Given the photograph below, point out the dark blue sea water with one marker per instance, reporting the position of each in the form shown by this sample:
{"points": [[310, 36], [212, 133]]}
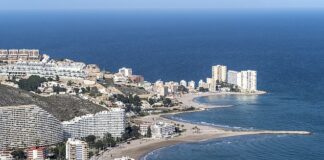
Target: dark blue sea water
{"points": [[285, 47]]}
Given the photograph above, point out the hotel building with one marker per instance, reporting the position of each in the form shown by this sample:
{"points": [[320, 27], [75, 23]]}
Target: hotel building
{"points": [[98, 124], [76, 150], [232, 77], [27, 126], [127, 72]]}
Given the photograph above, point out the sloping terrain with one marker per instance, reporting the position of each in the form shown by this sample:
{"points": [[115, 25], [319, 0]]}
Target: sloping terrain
{"points": [[63, 107]]}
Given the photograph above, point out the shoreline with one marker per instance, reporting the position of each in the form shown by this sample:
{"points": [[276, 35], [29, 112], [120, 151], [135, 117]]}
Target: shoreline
{"points": [[140, 148]]}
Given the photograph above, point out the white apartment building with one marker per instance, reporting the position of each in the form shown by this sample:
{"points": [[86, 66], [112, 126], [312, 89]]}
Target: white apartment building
{"points": [[232, 77], [219, 73], [248, 81], [98, 124], [63, 69], [76, 150], [162, 130], [28, 125], [191, 85], [183, 83], [127, 72]]}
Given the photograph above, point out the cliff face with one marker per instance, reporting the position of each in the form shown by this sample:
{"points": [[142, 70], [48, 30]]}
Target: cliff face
{"points": [[63, 107]]}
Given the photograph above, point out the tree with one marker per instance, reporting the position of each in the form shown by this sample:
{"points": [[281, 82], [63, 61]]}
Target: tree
{"points": [[76, 90], [32, 83], [18, 154], [149, 132], [57, 78], [99, 144], [90, 140], [131, 132], [69, 83], [108, 140], [183, 89]]}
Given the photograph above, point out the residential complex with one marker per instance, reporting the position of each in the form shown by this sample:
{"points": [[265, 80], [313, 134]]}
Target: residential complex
{"points": [[76, 150], [247, 81], [98, 124], [27, 126], [52, 68], [14, 55]]}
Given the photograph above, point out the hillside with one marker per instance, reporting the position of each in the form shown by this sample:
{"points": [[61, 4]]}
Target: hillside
{"points": [[63, 107]]}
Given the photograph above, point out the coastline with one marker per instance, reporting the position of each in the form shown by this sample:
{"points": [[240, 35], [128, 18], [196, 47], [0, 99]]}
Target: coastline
{"points": [[139, 148]]}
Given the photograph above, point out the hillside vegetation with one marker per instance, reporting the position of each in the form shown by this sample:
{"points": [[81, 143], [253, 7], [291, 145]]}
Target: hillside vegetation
{"points": [[63, 107]]}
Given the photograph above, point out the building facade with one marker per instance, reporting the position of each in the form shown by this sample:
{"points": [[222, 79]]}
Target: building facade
{"points": [[127, 72], [76, 150], [27, 126], [98, 124]]}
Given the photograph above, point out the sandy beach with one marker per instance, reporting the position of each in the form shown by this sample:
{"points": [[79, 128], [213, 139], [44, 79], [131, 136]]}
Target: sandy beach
{"points": [[139, 148]]}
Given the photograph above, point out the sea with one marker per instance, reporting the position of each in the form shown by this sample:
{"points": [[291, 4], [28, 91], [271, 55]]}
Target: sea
{"points": [[286, 47]]}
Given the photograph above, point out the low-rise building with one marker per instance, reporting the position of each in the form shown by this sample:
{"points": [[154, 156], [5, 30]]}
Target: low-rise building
{"points": [[76, 150], [36, 153]]}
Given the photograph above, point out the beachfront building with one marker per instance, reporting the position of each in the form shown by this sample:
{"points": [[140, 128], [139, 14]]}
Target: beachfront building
{"points": [[232, 77], [14, 55], [98, 124], [64, 69], [36, 153], [247, 81], [27, 126], [76, 150], [127, 72], [162, 130], [219, 74], [144, 128]]}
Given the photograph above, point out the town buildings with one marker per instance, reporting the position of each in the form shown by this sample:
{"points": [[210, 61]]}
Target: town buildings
{"points": [[27, 126], [162, 130], [76, 150], [98, 124]]}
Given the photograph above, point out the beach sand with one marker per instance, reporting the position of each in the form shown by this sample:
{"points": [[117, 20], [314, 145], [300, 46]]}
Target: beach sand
{"points": [[138, 148]]}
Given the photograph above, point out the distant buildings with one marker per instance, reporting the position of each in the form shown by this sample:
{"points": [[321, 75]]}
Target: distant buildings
{"points": [[14, 55], [27, 126], [76, 150], [127, 72], [191, 85], [162, 130], [183, 83], [232, 77], [219, 74], [98, 124]]}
